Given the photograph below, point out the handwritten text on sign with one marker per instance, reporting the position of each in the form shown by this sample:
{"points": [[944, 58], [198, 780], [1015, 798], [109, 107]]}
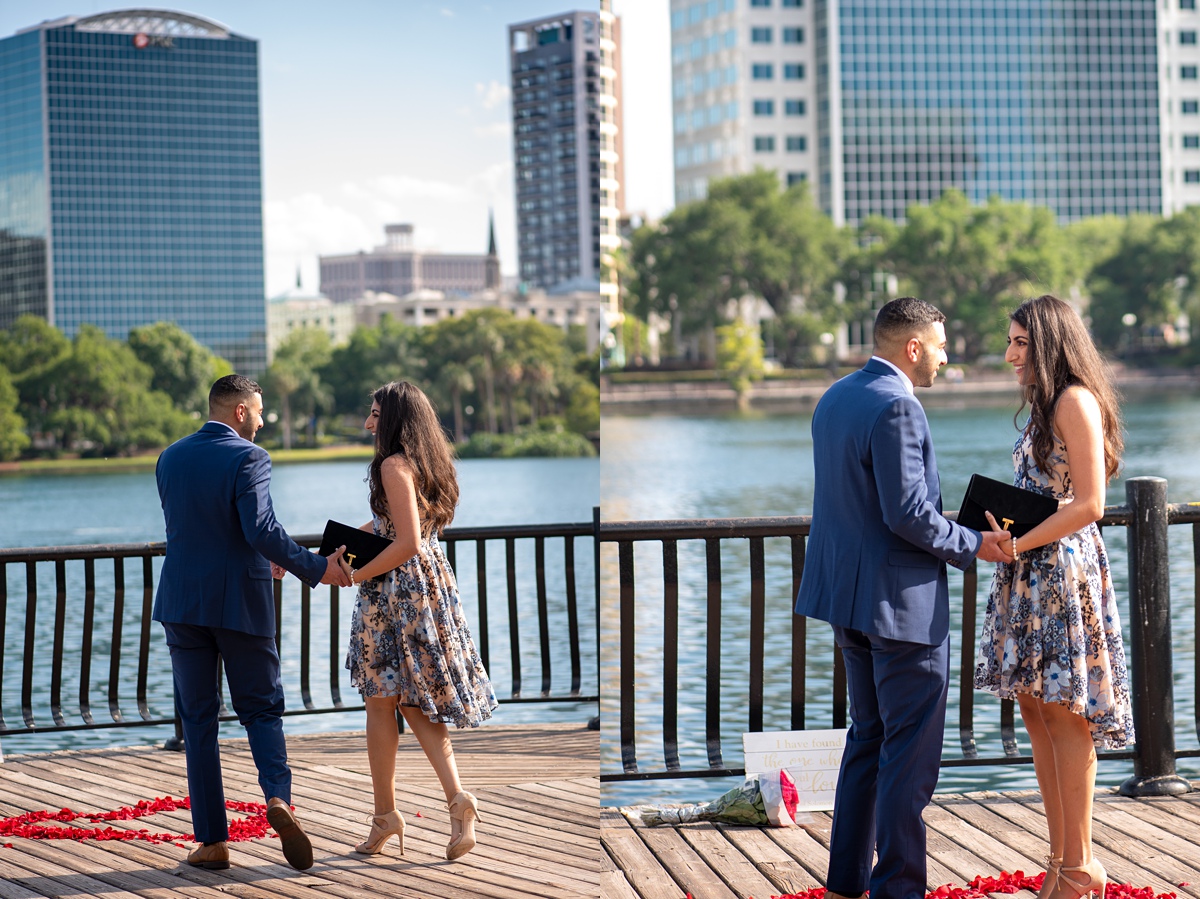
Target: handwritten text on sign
{"points": [[812, 758]]}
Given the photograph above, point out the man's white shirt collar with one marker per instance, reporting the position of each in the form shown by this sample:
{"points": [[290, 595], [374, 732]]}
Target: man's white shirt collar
{"points": [[213, 421], [908, 384]]}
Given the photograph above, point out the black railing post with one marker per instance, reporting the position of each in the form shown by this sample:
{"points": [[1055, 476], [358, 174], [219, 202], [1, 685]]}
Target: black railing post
{"points": [[1150, 667], [175, 743], [594, 723]]}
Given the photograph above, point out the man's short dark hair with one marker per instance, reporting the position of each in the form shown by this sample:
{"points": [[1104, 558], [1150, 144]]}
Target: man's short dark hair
{"points": [[904, 317], [230, 390]]}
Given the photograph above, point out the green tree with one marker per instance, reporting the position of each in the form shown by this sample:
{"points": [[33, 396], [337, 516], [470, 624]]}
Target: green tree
{"points": [[104, 403], [13, 438], [182, 368], [31, 349], [740, 358], [294, 382], [974, 261], [747, 237], [373, 357]]}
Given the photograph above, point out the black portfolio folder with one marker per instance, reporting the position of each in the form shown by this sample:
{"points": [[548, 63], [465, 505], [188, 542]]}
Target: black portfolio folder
{"points": [[361, 546], [1015, 509]]}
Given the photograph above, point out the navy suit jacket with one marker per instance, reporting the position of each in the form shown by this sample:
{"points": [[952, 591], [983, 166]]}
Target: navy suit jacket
{"points": [[877, 553], [222, 534]]}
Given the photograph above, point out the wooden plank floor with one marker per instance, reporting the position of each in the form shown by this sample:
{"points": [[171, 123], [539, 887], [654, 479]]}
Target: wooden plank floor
{"points": [[539, 834], [1151, 843]]}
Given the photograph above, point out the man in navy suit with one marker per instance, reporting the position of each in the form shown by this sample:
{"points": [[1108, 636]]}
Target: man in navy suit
{"points": [[875, 568], [215, 598]]}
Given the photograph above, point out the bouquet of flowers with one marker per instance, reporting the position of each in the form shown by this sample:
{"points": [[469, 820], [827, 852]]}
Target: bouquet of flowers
{"points": [[768, 798]]}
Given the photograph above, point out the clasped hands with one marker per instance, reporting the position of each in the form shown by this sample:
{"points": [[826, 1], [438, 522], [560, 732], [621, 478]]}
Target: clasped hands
{"points": [[997, 543], [337, 570]]}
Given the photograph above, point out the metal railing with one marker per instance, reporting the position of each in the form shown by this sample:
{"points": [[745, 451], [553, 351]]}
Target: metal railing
{"points": [[101, 643], [1146, 516]]}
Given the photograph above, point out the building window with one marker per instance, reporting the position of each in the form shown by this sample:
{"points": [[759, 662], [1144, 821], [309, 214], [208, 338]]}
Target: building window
{"points": [[797, 143], [791, 4], [1191, 176], [793, 71], [796, 177], [1187, 37], [1187, 4], [763, 144], [1191, 142], [1188, 73], [793, 35], [763, 3], [794, 107], [1190, 107], [764, 107], [760, 35], [762, 71]]}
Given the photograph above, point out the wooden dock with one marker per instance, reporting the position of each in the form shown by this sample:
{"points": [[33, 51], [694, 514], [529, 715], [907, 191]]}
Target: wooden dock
{"points": [[539, 833], [1148, 843]]}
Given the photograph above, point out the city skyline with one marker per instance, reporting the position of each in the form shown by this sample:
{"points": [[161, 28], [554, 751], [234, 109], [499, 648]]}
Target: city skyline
{"points": [[388, 127]]}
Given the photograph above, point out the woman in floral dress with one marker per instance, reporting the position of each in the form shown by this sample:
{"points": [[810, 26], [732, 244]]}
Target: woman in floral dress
{"points": [[1052, 636], [409, 642]]}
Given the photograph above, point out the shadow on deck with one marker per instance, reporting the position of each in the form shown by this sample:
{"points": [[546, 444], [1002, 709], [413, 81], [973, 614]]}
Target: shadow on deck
{"points": [[539, 834], [1148, 843]]}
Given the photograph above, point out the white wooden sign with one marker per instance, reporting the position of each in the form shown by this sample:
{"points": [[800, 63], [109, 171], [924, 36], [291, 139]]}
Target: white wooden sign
{"points": [[811, 757]]}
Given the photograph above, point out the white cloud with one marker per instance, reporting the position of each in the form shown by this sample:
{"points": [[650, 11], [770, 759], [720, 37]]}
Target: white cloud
{"points": [[451, 216], [494, 129], [448, 13], [492, 94]]}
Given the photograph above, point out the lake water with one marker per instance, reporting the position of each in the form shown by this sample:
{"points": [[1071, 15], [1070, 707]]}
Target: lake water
{"points": [[664, 467], [61, 510]]}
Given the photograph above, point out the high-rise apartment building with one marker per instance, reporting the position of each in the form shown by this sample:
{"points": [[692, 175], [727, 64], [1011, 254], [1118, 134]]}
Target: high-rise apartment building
{"points": [[130, 178], [1060, 103], [566, 141], [1179, 103]]}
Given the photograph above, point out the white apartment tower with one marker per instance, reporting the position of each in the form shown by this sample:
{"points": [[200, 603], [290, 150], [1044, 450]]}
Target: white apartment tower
{"points": [[612, 203], [743, 74], [1179, 103]]}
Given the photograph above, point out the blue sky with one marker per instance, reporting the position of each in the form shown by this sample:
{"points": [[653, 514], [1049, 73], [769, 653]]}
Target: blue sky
{"points": [[377, 112]]}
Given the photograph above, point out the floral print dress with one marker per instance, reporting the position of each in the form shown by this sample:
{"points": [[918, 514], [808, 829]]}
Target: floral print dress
{"points": [[1052, 629], [409, 638]]}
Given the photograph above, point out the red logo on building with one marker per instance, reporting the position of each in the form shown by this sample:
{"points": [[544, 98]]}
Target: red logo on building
{"points": [[141, 40]]}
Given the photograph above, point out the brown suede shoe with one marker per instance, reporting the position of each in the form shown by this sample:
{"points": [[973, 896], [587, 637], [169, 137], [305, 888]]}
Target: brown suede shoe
{"points": [[214, 857], [296, 847]]}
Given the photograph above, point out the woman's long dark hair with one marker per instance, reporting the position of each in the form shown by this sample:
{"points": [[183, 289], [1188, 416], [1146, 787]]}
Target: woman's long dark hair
{"points": [[1061, 355], [408, 426]]}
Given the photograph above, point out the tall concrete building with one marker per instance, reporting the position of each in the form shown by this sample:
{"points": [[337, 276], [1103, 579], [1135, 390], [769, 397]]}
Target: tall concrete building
{"points": [[399, 267], [567, 147], [1060, 103], [130, 178]]}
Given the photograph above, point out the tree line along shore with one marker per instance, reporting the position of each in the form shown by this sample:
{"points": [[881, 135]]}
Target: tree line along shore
{"points": [[504, 386]]}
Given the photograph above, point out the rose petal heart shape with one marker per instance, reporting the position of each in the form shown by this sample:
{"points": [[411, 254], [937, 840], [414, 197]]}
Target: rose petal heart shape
{"points": [[31, 826]]}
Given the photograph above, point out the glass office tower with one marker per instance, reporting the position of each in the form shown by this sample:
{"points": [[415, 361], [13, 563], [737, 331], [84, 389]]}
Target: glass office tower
{"points": [[130, 179], [885, 104], [1052, 102]]}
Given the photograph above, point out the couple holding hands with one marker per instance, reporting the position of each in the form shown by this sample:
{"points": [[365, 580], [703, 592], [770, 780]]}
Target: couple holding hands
{"points": [[410, 647], [876, 570]]}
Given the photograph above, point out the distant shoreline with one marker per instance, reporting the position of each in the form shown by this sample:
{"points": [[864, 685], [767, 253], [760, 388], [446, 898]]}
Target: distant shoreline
{"points": [[144, 463], [781, 395]]}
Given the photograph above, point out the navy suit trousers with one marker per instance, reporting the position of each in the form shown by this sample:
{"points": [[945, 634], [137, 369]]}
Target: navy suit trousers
{"points": [[252, 673], [890, 766]]}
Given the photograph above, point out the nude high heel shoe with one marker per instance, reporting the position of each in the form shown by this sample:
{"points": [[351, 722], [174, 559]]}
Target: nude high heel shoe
{"points": [[1053, 864], [1094, 880], [464, 811], [382, 828]]}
